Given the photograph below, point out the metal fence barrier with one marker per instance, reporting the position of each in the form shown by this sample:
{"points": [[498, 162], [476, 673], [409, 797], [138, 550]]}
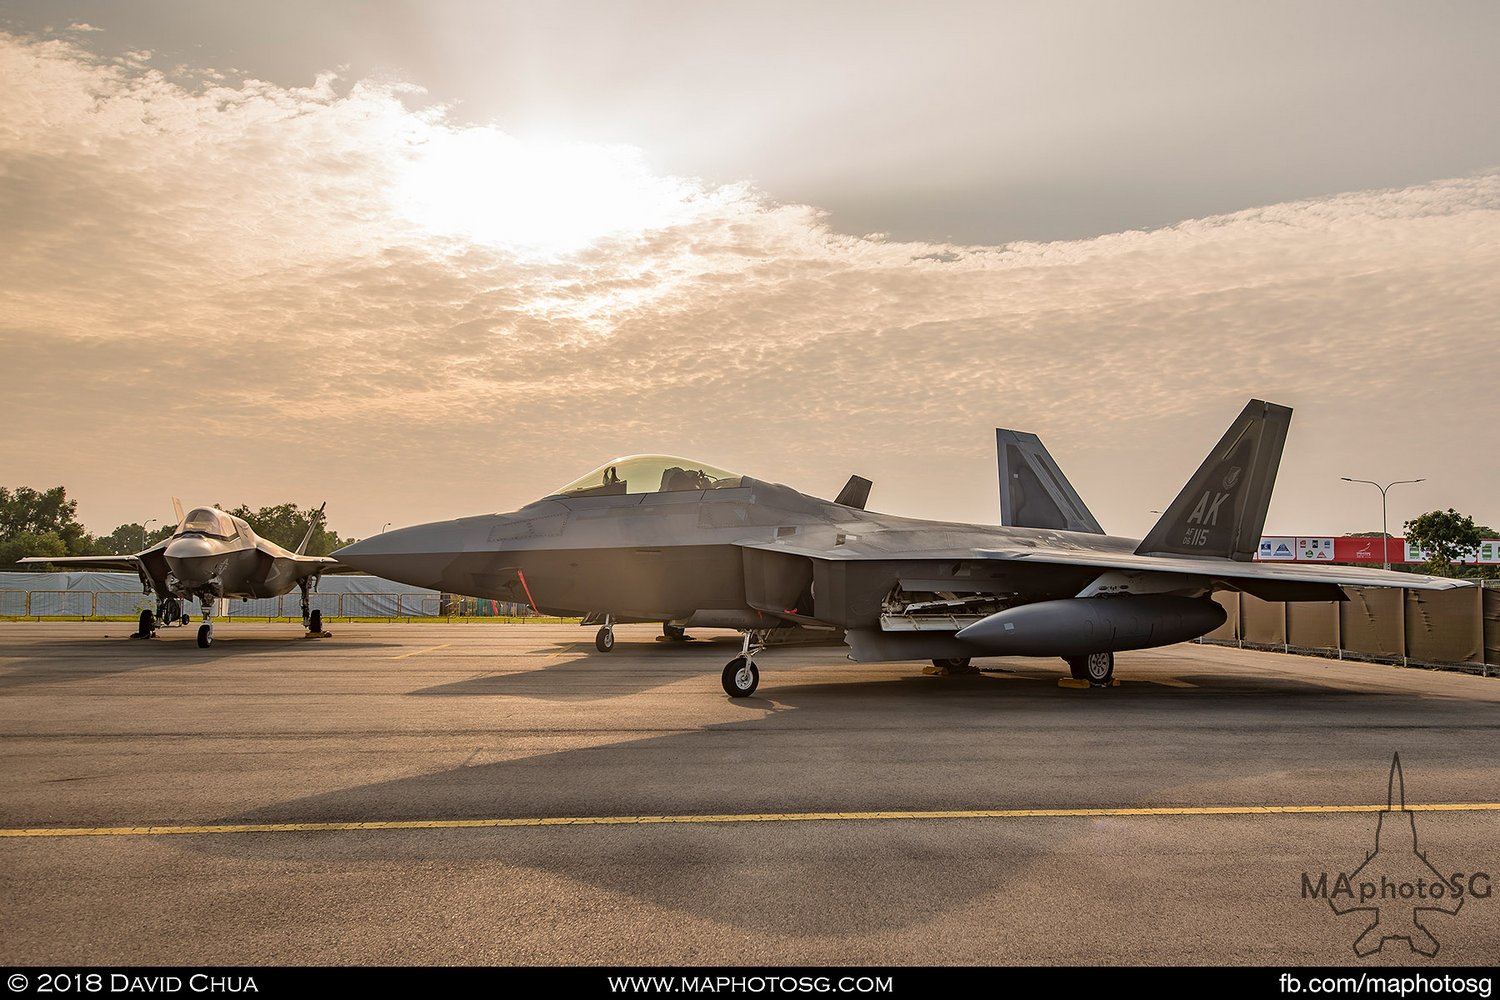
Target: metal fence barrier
{"points": [[86, 604]]}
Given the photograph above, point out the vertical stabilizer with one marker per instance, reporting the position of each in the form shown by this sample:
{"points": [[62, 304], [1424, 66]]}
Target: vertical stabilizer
{"points": [[1222, 510], [1033, 491], [856, 493], [312, 525]]}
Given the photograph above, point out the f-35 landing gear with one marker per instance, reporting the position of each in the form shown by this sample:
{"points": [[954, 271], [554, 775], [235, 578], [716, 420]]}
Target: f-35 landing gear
{"points": [[206, 630], [312, 619], [1096, 668], [673, 633], [741, 675], [147, 629]]}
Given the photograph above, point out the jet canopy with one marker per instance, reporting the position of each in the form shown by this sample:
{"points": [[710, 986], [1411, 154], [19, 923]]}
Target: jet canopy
{"points": [[208, 521], [649, 474]]}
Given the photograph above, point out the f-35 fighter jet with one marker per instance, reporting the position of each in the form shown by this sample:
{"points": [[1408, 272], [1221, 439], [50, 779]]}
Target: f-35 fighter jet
{"points": [[213, 555]]}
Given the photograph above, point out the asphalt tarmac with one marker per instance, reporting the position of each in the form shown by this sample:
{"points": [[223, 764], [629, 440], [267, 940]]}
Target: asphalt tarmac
{"points": [[1023, 822]]}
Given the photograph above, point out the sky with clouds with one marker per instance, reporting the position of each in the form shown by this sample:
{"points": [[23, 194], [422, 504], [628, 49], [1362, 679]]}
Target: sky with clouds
{"points": [[252, 266]]}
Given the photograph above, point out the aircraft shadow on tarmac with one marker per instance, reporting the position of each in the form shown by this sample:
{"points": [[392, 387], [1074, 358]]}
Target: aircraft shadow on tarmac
{"points": [[573, 671], [1000, 743]]}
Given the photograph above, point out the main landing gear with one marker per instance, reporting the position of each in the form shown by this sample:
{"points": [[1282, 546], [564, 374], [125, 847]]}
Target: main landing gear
{"points": [[741, 675], [312, 618], [1096, 668], [674, 633], [147, 629]]}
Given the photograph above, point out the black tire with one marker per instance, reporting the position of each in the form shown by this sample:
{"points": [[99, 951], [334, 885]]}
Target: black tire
{"points": [[186, 618], [1096, 668], [741, 677], [205, 635], [604, 641], [952, 663], [147, 625], [674, 633], [315, 621]]}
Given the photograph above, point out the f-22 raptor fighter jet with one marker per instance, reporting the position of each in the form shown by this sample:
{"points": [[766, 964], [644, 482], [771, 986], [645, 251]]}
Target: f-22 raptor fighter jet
{"points": [[213, 555], [657, 539]]}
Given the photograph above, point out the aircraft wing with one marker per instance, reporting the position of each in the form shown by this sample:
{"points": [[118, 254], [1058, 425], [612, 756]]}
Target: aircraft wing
{"points": [[1223, 569], [309, 565], [129, 563]]}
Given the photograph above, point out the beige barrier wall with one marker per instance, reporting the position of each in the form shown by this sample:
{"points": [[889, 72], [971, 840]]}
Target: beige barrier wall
{"points": [[1313, 626], [1262, 622], [1460, 627], [1444, 626], [1492, 626], [1371, 623]]}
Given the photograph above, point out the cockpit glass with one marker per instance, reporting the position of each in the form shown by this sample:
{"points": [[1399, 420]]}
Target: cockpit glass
{"points": [[207, 521], [649, 474]]}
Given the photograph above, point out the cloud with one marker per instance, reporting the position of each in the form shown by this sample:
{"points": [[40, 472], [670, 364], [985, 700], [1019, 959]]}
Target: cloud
{"points": [[257, 292]]}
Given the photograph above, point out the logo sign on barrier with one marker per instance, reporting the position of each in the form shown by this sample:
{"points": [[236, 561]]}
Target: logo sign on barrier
{"points": [[1489, 551], [1278, 548], [1315, 549]]}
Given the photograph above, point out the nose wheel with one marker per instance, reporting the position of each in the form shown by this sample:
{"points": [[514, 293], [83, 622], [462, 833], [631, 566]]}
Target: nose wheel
{"points": [[604, 639], [741, 677]]}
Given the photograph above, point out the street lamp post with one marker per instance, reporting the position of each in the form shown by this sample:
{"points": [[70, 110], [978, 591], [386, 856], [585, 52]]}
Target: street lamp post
{"points": [[1385, 536], [144, 536]]}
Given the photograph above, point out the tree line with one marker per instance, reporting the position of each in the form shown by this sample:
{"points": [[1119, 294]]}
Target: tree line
{"points": [[45, 523]]}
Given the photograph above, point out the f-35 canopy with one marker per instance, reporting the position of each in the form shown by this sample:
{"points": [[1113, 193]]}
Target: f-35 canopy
{"points": [[649, 474], [208, 521]]}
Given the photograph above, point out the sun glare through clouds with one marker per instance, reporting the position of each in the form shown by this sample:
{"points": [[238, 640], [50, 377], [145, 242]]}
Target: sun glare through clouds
{"points": [[532, 197]]}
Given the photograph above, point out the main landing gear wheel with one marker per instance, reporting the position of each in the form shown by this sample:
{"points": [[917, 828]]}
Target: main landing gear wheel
{"points": [[674, 633], [741, 677], [315, 621], [605, 640], [1096, 668], [147, 625], [952, 663], [205, 635]]}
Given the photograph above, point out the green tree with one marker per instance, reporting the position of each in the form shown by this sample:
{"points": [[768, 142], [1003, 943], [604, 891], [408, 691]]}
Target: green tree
{"points": [[1445, 535], [40, 523], [286, 523]]}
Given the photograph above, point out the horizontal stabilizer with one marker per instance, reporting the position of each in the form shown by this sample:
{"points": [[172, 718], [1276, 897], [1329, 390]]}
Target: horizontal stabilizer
{"points": [[1033, 491], [856, 493], [1222, 510]]}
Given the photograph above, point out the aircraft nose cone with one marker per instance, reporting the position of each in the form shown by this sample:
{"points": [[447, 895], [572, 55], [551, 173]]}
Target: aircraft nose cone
{"points": [[189, 547], [418, 555], [192, 560]]}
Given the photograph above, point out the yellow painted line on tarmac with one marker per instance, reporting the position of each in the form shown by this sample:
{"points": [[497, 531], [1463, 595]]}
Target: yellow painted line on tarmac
{"points": [[419, 652], [723, 818]]}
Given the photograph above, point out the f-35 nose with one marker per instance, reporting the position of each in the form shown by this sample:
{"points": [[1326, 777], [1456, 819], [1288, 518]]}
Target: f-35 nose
{"points": [[193, 559]]}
